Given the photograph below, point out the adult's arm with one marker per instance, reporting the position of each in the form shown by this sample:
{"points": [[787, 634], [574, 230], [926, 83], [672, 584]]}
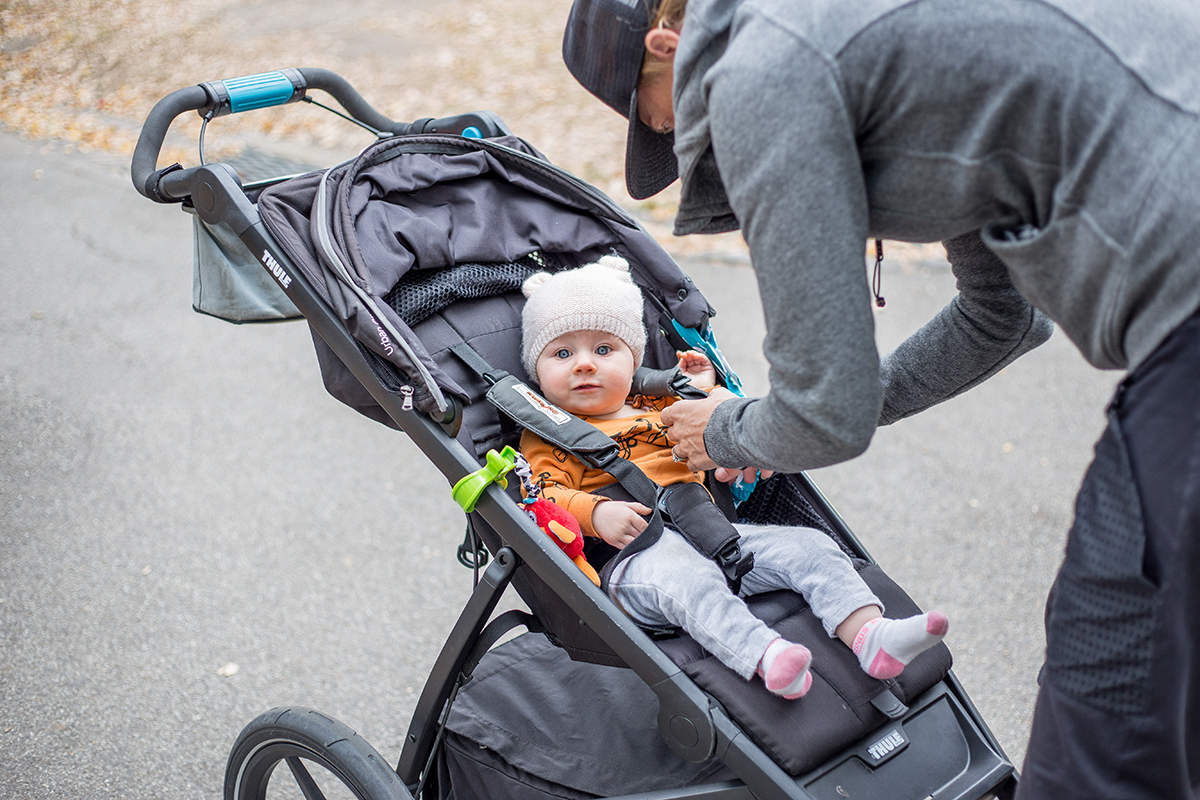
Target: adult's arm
{"points": [[785, 147], [985, 327]]}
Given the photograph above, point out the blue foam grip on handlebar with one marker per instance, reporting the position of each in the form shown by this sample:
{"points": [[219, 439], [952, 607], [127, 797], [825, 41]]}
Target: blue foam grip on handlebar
{"points": [[259, 91]]}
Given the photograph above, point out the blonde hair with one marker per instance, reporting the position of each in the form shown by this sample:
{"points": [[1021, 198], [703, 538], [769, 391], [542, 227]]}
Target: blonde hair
{"points": [[668, 15]]}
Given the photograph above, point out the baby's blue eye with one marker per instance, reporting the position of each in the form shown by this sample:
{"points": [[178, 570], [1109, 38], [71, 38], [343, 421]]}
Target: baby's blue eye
{"points": [[563, 353], [603, 350]]}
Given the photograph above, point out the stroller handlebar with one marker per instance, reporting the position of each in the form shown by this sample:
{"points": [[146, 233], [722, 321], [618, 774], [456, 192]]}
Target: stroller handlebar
{"points": [[218, 98], [145, 155]]}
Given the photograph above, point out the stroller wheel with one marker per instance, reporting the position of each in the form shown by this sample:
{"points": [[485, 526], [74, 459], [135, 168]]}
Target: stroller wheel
{"points": [[324, 759]]}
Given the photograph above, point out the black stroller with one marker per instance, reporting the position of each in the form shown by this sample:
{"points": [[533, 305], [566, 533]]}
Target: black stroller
{"points": [[406, 262]]}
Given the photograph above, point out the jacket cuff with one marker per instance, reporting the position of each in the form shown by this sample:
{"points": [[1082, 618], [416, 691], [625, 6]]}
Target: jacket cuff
{"points": [[720, 435]]}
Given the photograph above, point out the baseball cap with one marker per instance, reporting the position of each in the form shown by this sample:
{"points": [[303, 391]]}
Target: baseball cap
{"points": [[603, 47]]}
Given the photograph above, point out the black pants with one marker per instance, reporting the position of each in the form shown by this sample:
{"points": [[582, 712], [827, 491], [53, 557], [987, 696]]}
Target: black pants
{"points": [[1118, 712]]}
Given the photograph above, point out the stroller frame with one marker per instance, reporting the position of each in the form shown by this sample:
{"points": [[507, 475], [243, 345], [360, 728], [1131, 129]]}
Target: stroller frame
{"points": [[694, 725]]}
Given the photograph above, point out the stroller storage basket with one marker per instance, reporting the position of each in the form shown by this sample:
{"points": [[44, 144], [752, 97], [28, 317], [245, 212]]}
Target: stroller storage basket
{"points": [[492, 721], [229, 282]]}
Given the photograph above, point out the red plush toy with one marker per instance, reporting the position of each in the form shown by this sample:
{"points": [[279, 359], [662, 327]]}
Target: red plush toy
{"points": [[555, 521], [561, 526]]}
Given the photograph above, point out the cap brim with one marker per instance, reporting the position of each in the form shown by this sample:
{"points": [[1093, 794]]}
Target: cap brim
{"points": [[650, 163]]}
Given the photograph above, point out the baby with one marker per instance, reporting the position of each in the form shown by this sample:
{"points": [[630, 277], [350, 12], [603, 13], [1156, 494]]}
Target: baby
{"points": [[583, 338]]}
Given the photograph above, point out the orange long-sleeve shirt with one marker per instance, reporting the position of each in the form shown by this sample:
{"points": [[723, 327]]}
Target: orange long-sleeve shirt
{"points": [[642, 439]]}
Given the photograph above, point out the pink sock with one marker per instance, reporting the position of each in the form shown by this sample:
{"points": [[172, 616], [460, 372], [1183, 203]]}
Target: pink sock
{"points": [[885, 646], [784, 669]]}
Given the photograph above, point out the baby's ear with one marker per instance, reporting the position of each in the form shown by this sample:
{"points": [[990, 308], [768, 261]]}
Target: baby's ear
{"points": [[615, 263], [534, 282]]}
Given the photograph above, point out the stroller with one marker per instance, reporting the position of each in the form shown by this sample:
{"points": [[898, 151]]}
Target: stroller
{"points": [[406, 263]]}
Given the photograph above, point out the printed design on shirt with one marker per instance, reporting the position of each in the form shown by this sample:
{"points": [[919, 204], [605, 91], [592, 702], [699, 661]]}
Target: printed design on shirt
{"points": [[544, 481], [642, 430]]}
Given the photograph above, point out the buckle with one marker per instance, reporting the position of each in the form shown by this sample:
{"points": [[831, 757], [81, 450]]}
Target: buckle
{"points": [[600, 459], [733, 563]]}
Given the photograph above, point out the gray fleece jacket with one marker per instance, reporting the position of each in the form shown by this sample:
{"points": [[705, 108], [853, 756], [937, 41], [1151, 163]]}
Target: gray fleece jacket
{"points": [[1053, 145]]}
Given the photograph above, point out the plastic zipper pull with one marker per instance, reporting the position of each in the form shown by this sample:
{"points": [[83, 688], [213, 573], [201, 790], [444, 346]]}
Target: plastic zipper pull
{"points": [[876, 278], [407, 391]]}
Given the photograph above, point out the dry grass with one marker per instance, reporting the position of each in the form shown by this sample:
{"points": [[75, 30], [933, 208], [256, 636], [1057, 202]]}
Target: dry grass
{"points": [[84, 74]]}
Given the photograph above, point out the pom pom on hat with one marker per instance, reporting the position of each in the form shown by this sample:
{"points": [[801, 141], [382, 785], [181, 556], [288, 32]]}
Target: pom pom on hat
{"points": [[595, 297]]}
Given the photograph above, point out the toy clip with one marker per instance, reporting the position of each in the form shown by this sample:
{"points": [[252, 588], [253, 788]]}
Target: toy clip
{"points": [[468, 490]]}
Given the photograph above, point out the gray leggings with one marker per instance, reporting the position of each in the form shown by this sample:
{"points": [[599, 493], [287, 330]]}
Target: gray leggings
{"points": [[670, 583]]}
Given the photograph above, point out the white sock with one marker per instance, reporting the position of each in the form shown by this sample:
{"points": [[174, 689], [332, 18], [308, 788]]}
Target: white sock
{"points": [[784, 669], [885, 646]]}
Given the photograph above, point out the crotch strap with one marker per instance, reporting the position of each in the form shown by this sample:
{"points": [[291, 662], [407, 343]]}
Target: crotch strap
{"points": [[688, 508]]}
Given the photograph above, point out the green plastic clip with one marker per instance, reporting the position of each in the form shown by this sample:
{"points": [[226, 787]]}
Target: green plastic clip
{"points": [[468, 490]]}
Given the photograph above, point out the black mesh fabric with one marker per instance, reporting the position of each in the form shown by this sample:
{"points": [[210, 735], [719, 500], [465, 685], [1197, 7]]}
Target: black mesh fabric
{"points": [[423, 293], [1102, 608], [778, 501]]}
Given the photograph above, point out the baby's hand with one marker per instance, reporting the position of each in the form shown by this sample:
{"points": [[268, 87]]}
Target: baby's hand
{"points": [[618, 522], [698, 369]]}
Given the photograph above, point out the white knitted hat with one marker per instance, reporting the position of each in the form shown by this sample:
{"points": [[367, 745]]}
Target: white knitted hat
{"points": [[594, 297]]}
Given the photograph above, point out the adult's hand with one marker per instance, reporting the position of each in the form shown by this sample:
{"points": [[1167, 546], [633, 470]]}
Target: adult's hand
{"points": [[748, 474], [685, 422]]}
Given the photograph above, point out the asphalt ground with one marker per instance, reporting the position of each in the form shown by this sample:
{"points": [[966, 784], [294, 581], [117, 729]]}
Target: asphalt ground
{"points": [[180, 496]]}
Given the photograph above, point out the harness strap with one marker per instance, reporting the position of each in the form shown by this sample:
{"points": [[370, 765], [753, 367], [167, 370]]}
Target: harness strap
{"points": [[690, 510], [665, 383], [477, 362]]}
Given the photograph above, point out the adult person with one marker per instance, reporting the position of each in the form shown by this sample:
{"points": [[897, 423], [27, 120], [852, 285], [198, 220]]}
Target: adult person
{"points": [[1054, 147]]}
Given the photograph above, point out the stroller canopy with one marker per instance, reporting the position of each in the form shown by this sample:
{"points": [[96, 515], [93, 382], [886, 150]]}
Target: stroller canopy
{"points": [[418, 206]]}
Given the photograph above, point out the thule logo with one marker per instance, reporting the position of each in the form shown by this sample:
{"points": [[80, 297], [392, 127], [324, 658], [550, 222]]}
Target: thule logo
{"points": [[273, 267], [886, 747]]}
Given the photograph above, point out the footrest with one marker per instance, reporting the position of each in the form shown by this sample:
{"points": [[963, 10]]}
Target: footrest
{"points": [[838, 709], [936, 750]]}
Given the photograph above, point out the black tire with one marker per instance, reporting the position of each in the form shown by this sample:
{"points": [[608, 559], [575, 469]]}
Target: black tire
{"points": [[301, 739]]}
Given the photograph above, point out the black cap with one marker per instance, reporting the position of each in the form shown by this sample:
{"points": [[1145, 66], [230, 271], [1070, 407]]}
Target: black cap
{"points": [[603, 47]]}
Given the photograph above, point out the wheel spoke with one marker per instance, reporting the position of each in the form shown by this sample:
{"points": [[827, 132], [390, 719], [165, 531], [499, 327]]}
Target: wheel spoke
{"points": [[317, 748], [304, 780]]}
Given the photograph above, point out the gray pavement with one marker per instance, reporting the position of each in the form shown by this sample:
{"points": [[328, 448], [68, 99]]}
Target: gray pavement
{"points": [[179, 495]]}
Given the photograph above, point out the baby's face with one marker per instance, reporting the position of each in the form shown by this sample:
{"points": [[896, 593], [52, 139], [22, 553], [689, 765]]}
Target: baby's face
{"points": [[588, 373]]}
